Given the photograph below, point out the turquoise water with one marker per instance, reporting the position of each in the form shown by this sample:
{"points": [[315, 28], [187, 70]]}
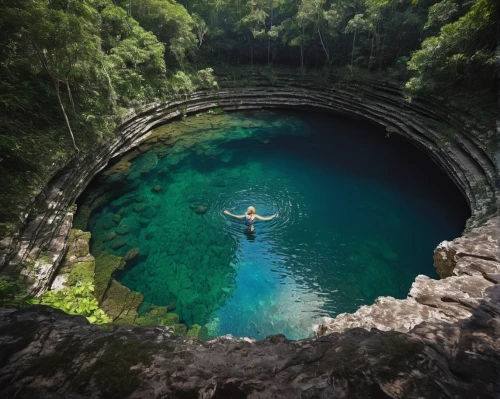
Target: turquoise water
{"points": [[359, 215]]}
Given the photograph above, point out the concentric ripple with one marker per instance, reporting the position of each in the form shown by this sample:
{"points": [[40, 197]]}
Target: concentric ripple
{"points": [[358, 216]]}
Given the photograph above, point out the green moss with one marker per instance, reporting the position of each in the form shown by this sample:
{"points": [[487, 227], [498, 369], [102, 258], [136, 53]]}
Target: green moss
{"points": [[121, 304], [158, 316], [180, 330], [105, 266], [82, 271], [197, 331]]}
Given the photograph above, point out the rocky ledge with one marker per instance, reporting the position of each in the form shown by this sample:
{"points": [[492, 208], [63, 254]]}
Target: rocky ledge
{"points": [[47, 353]]}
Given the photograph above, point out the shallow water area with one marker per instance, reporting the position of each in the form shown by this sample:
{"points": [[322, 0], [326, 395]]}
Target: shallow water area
{"points": [[359, 215]]}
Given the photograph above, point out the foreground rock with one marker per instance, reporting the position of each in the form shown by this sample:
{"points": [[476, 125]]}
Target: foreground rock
{"points": [[46, 353]]}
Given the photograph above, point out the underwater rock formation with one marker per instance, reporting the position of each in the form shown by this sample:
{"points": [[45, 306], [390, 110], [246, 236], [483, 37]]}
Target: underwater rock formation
{"points": [[47, 353]]}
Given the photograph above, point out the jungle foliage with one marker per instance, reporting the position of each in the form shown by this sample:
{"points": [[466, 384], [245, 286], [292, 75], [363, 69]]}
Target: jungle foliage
{"points": [[77, 300]]}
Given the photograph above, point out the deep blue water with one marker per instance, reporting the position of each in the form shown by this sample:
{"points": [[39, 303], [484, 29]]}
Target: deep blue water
{"points": [[359, 216]]}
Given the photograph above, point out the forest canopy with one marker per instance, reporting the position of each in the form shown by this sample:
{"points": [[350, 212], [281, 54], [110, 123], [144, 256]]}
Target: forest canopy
{"points": [[71, 69]]}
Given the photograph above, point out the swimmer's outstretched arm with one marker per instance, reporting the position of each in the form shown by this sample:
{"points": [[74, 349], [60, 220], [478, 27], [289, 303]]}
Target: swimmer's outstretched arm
{"points": [[234, 216], [266, 218]]}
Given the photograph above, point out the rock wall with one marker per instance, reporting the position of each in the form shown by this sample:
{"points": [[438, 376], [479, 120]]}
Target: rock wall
{"points": [[458, 146], [47, 353]]}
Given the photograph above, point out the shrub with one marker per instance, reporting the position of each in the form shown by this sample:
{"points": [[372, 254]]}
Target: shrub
{"points": [[77, 300]]}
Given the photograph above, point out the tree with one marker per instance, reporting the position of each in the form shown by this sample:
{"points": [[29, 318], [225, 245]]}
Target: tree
{"points": [[355, 25], [61, 40], [254, 23], [171, 24], [200, 28], [463, 50], [312, 11]]}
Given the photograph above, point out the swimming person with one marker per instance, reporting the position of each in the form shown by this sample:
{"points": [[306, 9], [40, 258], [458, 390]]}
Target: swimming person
{"points": [[250, 217]]}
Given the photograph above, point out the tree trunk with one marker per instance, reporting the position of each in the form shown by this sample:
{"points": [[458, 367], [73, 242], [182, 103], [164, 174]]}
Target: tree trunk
{"points": [[382, 56], [324, 47], [269, 39], [301, 56], [353, 44], [70, 95], [55, 82], [371, 56]]}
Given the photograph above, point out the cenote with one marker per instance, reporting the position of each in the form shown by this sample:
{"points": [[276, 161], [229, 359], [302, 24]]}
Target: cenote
{"points": [[359, 214]]}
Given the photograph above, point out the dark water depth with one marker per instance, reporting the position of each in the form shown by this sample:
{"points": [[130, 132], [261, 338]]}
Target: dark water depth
{"points": [[359, 215]]}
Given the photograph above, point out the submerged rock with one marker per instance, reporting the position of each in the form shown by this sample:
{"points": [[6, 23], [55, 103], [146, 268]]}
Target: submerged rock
{"points": [[131, 254], [110, 236], [139, 207], [156, 188], [118, 243], [144, 222], [200, 209], [123, 229]]}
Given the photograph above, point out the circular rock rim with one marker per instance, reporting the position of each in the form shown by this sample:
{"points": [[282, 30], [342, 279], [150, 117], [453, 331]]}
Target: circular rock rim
{"points": [[465, 160]]}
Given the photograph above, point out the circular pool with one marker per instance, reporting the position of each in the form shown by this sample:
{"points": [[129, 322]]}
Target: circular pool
{"points": [[359, 212]]}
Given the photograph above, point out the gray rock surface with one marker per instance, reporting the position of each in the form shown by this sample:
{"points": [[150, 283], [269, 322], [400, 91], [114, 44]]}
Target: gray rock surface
{"points": [[47, 354]]}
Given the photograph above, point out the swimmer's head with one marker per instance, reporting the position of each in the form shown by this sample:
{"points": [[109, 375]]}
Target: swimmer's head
{"points": [[250, 210]]}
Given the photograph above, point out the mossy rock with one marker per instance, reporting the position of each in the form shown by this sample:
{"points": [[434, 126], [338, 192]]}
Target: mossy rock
{"points": [[180, 330], [121, 168], [105, 266], [83, 272], [158, 311], [158, 317], [197, 332], [78, 244], [121, 304], [117, 218]]}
